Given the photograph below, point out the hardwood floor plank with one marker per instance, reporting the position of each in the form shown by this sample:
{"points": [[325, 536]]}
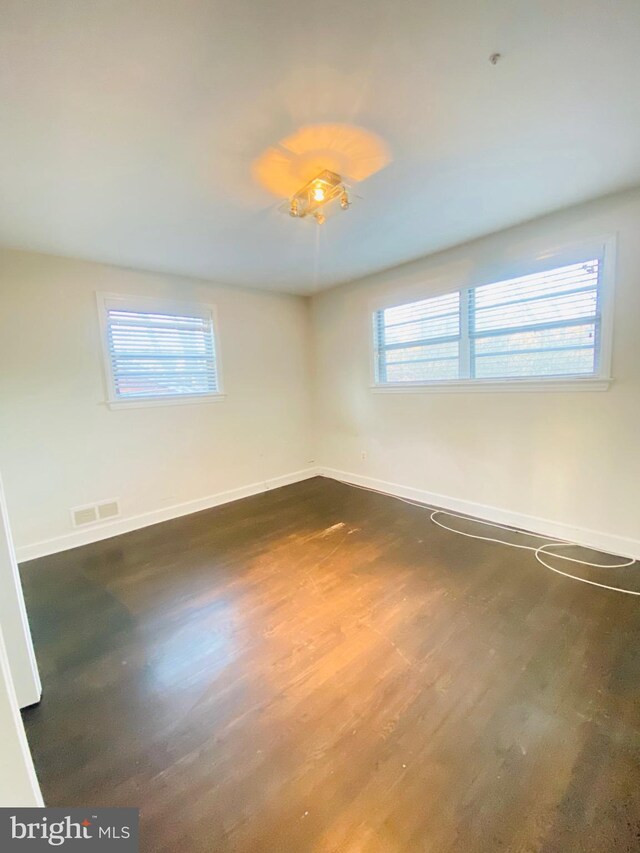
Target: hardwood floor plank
{"points": [[320, 668]]}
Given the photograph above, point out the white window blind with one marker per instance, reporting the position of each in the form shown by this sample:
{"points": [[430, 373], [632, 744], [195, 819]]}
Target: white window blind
{"points": [[155, 353], [420, 340], [545, 325]]}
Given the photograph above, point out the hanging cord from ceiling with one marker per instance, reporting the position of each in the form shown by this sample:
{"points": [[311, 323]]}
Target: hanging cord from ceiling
{"points": [[538, 551]]}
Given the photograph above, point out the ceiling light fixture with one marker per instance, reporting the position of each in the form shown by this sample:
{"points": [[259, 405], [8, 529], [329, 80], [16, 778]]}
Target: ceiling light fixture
{"points": [[323, 189]]}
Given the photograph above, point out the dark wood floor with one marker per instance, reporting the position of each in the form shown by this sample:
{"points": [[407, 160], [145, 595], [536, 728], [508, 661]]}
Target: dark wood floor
{"points": [[322, 669]]}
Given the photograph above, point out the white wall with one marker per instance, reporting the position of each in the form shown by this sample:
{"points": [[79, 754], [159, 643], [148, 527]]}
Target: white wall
{"points": [[570, 458], [559, 458], [61, 446]]}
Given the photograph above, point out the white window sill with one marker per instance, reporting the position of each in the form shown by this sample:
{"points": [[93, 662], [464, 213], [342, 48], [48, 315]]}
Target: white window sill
{"points": [[186, 400], [589, 383]]}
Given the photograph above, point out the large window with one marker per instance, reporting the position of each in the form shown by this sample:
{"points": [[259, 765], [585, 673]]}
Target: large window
{"points": [[543, 326], [159, 351]]}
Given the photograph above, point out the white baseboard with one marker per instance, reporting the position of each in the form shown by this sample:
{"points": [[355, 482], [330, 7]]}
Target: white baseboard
{"points": [[608, 542], [611, 543], [97, 532]]}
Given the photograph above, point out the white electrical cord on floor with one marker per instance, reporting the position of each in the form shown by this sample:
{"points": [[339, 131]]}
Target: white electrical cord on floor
{"points": [[537, 551]]}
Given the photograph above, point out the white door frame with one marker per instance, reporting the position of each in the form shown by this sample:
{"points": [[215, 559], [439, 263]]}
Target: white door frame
{"points": [[18, 781], [19, 680], [13, 619]]}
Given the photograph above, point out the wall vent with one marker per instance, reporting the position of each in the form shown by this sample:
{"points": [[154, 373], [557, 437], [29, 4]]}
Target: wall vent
{"points": [[84, 515], [108, 509], [90, 514]]}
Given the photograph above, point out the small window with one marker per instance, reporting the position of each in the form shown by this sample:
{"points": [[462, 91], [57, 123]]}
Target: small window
{"points": [[543, 326], [157, 351]]}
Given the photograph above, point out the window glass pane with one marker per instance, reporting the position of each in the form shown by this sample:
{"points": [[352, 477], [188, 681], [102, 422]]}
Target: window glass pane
{"points": [[569, 362], [160, 355], [548, 310], [572, 277], [424, 371], [419, 341], [429, 352], [556, 296], [530, 326], [430, 318], [569, 336]]}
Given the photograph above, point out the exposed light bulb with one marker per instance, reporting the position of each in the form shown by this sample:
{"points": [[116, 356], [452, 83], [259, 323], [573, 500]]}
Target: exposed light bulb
{"points": [[310, 200]]}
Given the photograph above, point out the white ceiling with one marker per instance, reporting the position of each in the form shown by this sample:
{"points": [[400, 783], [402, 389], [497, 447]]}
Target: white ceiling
{"points": [[128, 128]]}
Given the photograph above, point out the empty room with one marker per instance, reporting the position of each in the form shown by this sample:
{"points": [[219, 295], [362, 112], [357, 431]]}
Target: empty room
{"points": [[319, 426]]}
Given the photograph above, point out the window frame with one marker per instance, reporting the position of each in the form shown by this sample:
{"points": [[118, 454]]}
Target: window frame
{"points": [[161, 305], [603, 249]]}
